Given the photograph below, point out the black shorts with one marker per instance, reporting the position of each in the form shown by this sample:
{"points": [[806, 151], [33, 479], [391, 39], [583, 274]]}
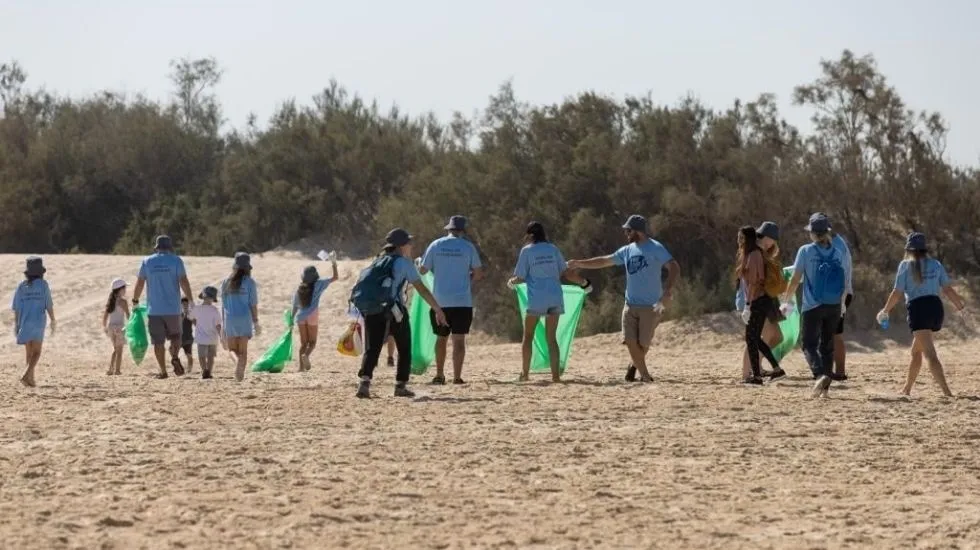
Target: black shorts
{"points": [[847, 304], [926, 313], [188, 348], [770, 306], [459, 318]]}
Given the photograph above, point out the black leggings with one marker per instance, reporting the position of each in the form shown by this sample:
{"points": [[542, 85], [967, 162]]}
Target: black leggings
{"points": [[376, 331], [759, 309]]}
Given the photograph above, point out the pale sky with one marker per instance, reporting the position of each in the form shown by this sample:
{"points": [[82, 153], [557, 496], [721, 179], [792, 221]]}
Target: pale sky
{"points": [[445, 56]]}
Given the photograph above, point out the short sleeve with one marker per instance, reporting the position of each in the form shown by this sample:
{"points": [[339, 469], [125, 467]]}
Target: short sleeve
{"points": [[943, 275], [901, 277], [181, 272], [142, 274], [475, 262], [16, 298], [560, 260], [48, 301], [296, 300], [663, 255], [411, 273], [322, 285], [253, 293], [799, 265], [523, 269], [427, 258], [619, 257]]}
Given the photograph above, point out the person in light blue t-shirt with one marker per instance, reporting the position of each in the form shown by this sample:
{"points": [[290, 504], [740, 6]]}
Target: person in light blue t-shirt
{"points": [[306, 310], [646, 296], [541, 266], [164, 277], [822, 269], [455, 263], [921, 279], [32, 306], [240, 311]]}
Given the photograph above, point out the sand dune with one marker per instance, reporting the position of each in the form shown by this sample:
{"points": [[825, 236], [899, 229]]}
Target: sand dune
{"points": [[294, 461]]}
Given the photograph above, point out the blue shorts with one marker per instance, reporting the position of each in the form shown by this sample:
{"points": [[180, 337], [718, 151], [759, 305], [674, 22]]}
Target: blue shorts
{"points": [[30, 333], [926, 313], [238, 327]]}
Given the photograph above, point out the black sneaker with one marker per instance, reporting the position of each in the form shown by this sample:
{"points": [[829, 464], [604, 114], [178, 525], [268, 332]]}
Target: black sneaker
{"points": [[766, 373], [364, 390], [631, 373], [777, 374], [753, 381], [458, 381], [438, 380], [838, 377], [402, 391], [206, 375], [391, 361]]}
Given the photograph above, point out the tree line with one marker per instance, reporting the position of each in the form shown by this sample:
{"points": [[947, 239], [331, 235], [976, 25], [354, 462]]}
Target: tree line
{"points": [[105, 173]]}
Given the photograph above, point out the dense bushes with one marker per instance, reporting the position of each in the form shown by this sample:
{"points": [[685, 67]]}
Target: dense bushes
{"points": [[105, 173]]}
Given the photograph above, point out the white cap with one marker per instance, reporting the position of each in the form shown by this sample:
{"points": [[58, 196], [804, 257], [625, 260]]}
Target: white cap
{"points": [[118, 283]]}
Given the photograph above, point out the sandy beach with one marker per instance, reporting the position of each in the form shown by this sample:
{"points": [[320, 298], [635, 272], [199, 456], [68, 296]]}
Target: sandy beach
{"points": [[293, 460]]}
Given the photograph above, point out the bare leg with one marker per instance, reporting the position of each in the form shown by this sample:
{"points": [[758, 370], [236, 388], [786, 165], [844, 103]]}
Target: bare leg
{"points": [[112, 362], [442, 343], [554, 354], [190, 361], [639, 357], [175, 354], [935, 365], [915, 364], [242, 347], [530, 324], [119, 356], [161, 354], [459, 355], [32, 352], [840, 355], [311, 338], [303, 338]]}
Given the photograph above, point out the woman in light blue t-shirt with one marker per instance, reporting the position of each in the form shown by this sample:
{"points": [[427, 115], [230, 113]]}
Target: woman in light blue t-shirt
{"points": [[921, 280], [541, 267], [240, 311]]}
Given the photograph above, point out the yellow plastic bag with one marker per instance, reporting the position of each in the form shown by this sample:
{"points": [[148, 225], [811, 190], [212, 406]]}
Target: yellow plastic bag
{"points": [[351, 342]]}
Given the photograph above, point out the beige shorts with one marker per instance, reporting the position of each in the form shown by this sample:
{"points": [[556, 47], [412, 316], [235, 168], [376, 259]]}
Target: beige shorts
{"points": [[639, 324], [116, 336]]}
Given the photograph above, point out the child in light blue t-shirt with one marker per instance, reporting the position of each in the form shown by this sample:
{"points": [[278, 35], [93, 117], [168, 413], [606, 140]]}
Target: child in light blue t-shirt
{"points": [[32, 306]]}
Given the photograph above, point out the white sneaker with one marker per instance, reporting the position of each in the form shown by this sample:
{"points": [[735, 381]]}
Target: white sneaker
{"points": [[820, 387]]}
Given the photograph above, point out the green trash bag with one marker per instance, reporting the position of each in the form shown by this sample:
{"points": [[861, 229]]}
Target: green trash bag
{"points": [[790, 326], [423, 340], [136, 334], [567, 325], [281, 352]]}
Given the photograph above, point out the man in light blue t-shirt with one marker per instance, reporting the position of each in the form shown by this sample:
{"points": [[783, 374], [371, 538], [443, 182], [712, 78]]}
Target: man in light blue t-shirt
{"points": [[164, 276], [455, 263], [646, 295]]}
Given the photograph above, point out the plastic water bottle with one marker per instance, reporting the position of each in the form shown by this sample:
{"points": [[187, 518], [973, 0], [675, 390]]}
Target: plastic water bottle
{"points": [[883, 320]]}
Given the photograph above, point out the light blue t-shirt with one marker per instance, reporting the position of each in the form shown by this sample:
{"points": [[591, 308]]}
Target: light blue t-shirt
{"points": [[644, 262], [239, 303], [403, 271], [451, 261], [303, 312], [845, 255], [541, 266], [31, 303], [162, 272], [808, 259], [934, 278]]}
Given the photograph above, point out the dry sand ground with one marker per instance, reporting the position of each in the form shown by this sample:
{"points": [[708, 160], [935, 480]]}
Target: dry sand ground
{"points": [[295, 461]]}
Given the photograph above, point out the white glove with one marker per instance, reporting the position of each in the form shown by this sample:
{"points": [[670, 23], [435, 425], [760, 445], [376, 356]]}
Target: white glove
{"points": [[418, 262], [511, 285], [843, 309], [587, 287], [54, 325], [659, 307], [746, 315], [332, 256], [258, 328], [881, 317]]}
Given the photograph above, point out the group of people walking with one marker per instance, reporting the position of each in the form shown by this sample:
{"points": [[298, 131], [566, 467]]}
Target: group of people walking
{"points": [[822, 269]]}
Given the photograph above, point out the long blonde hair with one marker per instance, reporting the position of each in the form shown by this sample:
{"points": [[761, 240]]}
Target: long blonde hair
{"points": [[915, 258]]}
